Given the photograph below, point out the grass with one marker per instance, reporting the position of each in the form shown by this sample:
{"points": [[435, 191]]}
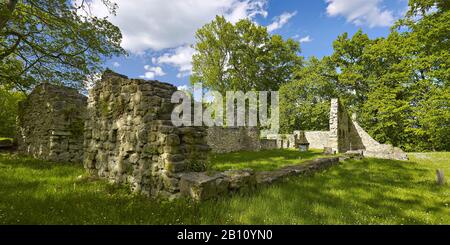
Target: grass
{"points": [[370, 191], [262, 161], [3, 138]]}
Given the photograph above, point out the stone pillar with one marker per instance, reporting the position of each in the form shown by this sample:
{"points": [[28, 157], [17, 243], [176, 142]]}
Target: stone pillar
{"points": [[333, 139], [51, 124], [129, 137]]}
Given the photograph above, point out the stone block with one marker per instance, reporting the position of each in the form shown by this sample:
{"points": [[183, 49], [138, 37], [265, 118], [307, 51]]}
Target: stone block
{"points": [[201, 186], [239, 179]]}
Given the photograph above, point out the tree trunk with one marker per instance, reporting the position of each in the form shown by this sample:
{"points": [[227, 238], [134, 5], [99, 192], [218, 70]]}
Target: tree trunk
{"points": [[7, 8]]}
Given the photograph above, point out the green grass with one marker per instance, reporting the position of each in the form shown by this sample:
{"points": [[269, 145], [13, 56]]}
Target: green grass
{"points": [[370, 191], [262, 161], [3, 138]]}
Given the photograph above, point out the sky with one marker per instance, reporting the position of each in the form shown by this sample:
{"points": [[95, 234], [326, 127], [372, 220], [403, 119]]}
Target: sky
{"points": [[158, 34]]}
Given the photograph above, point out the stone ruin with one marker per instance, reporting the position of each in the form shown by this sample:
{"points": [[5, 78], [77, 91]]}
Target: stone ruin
{"points": [[345, 136], [50, 124], [124, 133], [129, 137], [233, 139]]}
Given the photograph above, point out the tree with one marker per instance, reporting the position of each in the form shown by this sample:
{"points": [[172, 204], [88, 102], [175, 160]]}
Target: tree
{"points": [[305, 102], [8, 111], [242, 57], [348, 58], [56, 41]]}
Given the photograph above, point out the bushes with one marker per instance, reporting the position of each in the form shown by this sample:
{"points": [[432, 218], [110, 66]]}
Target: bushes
{"points": [[9, 101]]}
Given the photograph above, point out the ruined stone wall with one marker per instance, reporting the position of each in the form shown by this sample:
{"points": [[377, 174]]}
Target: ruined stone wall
{"points": [[284, 141], [338, 139], [268, 144], [233, 139], [343, 135], [129, 137], [316, 139], [372, 148], [346, 135], [50, 124]]}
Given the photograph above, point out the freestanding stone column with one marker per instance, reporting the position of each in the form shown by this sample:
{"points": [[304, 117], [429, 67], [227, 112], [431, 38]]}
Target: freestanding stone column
{"points": [[50, 124], [129, 137], [340, 128]]}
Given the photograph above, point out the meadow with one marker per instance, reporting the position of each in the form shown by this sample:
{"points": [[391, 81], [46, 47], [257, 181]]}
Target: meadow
{"points": [[368, 191]]}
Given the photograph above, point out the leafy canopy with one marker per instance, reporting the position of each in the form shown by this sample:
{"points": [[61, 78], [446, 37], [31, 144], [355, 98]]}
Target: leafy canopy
{"points": [[242, 57], [55, 41]]}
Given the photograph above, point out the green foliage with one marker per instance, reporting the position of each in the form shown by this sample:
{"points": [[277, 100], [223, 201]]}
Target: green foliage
{"points": [[54, 41], [242, 57], [305, 102], [9, 104], [398, 85], [357, 192]]}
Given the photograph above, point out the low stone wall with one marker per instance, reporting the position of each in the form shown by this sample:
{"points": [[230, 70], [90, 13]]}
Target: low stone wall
{"points": [[224, 140], [129, 137], [201, 186], [51, 124], [268, 144]]}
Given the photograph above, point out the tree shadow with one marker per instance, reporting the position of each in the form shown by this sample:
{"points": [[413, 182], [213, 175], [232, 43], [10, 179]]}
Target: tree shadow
{"points": [[370, 191]]}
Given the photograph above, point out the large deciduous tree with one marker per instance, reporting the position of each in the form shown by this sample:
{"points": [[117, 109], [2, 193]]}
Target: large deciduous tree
{"points": [[55, 41], [399, 85], [242, 56]]}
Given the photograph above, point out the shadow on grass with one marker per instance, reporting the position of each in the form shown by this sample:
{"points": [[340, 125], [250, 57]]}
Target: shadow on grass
{"points": [[370, 191], [16, 160]]}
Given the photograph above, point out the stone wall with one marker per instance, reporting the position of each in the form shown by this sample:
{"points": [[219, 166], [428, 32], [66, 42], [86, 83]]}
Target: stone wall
{"points": [[129, 137], [284, 141], [233, 139], [316, 139], [268, 144], [346, 135], [50, 124], [343, 136], [201, 186], [372, 148]]}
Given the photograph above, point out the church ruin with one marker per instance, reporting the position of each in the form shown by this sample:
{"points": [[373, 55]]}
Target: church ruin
{"points": [[50, 125], [129, 137], [123, 132]]}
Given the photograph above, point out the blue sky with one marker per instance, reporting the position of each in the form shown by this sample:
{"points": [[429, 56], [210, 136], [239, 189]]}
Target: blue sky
{"points": [[158, 33]]}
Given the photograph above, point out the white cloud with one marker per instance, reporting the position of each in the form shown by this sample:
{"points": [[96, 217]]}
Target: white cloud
{"points": [[116, 64], [280, 21], [306, 39], [361, 12], [181, 58], [161, 24], [152, 71], [183, 88]]}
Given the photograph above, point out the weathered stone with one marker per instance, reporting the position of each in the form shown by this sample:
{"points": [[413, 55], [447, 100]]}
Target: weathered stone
{"points": [[201, 186], [175, 167], [268, 177], [51, 124], [143, 148], [172, 139], [223, 140], [240, 178]]}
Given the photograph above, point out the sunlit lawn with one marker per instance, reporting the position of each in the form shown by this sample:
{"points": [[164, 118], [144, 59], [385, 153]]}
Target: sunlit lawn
{"points": [[357, 192], [263, 160]]}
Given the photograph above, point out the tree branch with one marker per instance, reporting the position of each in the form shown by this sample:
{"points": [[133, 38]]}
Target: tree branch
{"points": [[6, 11]]}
